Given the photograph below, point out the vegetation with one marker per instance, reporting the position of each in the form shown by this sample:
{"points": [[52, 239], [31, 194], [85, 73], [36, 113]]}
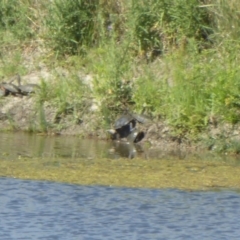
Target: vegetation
{"points": [[137, 173], [172, 59]]}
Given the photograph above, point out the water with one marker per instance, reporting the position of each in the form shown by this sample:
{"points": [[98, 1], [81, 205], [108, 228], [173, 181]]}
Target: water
{"points": [[22, 145], [46, 210], [17, 145]]}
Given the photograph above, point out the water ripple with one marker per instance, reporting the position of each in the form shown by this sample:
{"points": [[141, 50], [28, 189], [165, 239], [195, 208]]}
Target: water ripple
{"points": [[46, 210]]}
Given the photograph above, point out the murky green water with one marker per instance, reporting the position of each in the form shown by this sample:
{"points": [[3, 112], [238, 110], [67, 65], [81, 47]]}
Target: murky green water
{"points": [[22, 145], [90, 162], [68, 188], [17, 145]]}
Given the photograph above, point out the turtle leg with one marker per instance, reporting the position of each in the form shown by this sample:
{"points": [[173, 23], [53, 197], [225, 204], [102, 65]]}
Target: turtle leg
{"points": [[5, 91], [132, 125], [139, 137]]}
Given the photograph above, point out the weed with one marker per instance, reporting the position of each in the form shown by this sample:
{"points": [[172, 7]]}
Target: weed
{"points": [[72, 25]]}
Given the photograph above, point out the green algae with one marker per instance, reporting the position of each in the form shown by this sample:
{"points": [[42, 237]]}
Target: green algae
{"points": [[181, 174]]}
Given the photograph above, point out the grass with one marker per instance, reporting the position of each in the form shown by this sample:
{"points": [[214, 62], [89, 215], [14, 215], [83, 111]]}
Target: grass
{"points": [[172, 60]]}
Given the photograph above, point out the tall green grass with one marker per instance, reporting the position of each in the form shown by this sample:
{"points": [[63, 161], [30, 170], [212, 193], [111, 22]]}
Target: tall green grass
{"points": [[172, 59], [14, 19], [153, 26]]}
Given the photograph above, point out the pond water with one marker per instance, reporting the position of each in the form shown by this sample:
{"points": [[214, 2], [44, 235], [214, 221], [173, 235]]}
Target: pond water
{"points": [[22, 145], [34, 209], [16, 145], [47, 210]]}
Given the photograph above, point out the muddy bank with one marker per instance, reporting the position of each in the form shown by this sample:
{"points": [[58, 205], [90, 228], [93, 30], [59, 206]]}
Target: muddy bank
{"points": [[27, 113]]}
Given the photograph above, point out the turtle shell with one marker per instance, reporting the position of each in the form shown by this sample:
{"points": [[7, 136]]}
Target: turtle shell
{"points": [[10, 88], [128, 118], [28, 88], [124, 120], [139, 118]]}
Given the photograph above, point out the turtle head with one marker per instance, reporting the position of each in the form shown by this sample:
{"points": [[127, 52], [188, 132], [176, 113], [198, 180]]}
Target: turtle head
{"points": [[18, 79]]}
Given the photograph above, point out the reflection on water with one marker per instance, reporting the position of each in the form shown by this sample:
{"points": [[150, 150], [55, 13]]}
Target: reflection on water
{"points": [[32, 145], [45, 210], [16, 145], [23, 145]]}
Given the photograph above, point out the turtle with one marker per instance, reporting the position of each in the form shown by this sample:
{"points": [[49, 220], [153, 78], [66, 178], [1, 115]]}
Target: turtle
{"points": [[124, 120], [135, 136], [26, 89], [9, 88], [139, 137], [140, 118], [2, 92], [129, 118], [126, 124]]}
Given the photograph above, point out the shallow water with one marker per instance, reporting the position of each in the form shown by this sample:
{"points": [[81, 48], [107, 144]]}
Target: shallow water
{"points": [[47, 210], [90, 162], [17, 145], [23, 145]]}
